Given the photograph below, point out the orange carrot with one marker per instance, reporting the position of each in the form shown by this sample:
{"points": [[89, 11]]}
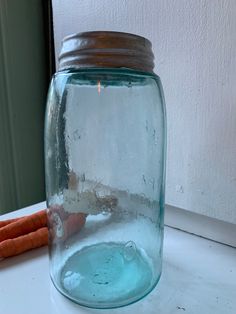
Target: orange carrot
{"points": [[12, 247], [24, 225], [74, 223], [63, 229], [58, 209], [8, 221]]}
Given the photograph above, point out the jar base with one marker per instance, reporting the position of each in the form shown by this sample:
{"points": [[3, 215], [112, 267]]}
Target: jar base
{"points": [[107, 275]]}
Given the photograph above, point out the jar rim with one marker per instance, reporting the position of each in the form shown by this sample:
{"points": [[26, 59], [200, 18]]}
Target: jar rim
{"points": [[106, 49]]}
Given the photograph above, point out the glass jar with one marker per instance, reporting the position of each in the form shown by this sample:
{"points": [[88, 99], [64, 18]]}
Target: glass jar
{"points": [[105, 169]]}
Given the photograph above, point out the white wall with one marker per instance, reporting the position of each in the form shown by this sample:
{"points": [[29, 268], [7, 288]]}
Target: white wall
{"points": [[194, 42]]}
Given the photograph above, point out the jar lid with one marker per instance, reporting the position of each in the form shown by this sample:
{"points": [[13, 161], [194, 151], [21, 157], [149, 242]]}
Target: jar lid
{"points": [[102, 49]]}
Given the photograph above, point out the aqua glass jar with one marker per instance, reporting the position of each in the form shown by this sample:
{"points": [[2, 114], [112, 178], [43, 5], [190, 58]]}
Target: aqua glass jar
{"points": [[105, 169]]}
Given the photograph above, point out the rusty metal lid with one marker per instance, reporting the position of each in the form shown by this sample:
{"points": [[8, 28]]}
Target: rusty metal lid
{"points": [[104, 49]]}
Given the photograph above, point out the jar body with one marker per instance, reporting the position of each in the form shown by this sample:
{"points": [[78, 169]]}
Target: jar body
{"points": [[105, 178]]}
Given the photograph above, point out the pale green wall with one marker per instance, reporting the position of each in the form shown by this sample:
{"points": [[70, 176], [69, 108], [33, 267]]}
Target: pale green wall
{"points": [[23, 85]]}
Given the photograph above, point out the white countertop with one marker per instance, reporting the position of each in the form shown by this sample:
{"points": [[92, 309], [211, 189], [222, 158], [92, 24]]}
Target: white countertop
{"points": [[199, 277]]}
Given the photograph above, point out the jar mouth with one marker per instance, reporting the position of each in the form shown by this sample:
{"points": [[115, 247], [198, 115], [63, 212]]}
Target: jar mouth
{"points": [[103, 49]]}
